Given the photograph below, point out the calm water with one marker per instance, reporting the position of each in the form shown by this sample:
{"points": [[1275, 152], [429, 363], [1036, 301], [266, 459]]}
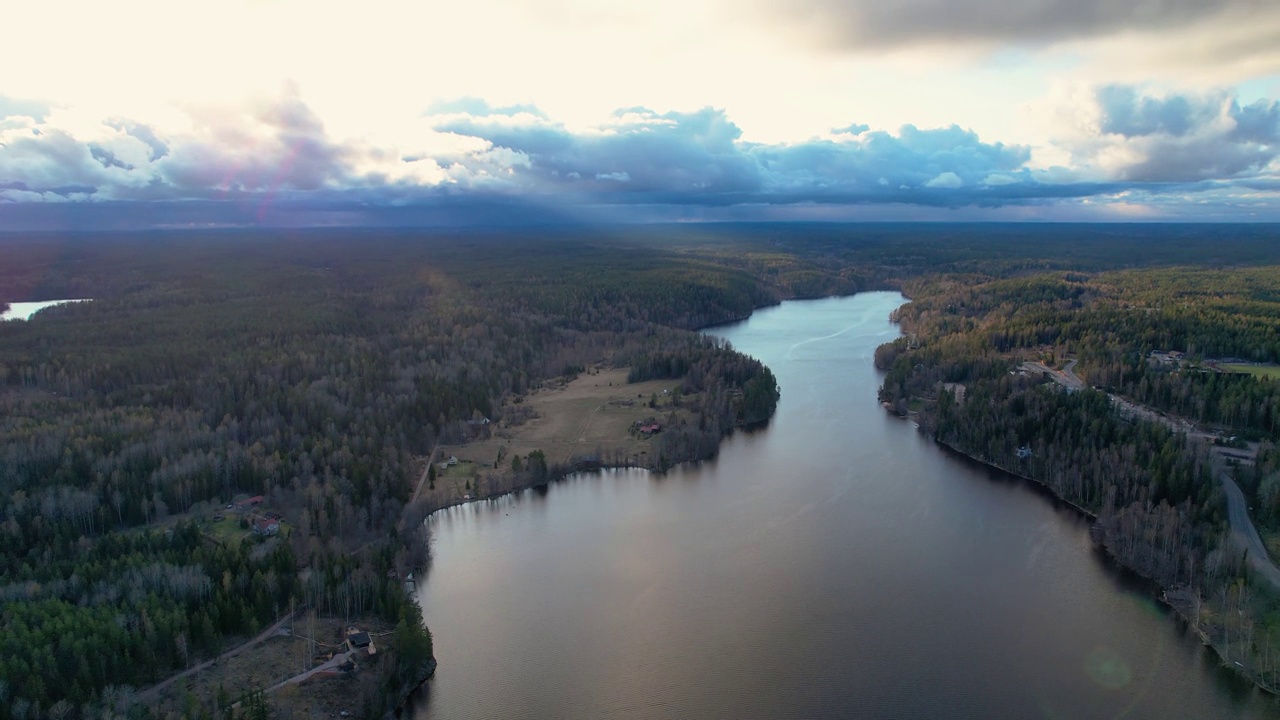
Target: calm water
{"points": [[24, 310], [836, 564]]}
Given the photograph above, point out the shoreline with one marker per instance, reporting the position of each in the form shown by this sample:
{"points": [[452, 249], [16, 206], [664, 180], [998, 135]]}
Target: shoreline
{"points": [[1040, 484], [1166, 596], [560, 472]]}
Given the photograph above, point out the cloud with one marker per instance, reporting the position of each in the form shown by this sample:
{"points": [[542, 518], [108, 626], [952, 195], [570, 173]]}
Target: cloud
{"points": [[275, 158], [478, 107], [1176, 137], [871, 24], [947, 179], [17, 107], [854, 129], [699, 158], [280, 145]]}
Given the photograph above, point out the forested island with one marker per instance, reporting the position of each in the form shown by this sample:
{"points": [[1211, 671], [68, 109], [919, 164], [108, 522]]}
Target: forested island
{"points": [[221, 378]]}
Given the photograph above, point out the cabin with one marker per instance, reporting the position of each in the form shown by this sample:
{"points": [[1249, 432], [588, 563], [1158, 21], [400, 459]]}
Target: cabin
{"points": [[478, 428], [266, 526], [1024, 452], [358, 640]]}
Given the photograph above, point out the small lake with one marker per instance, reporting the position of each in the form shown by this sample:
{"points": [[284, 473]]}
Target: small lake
{"points": [[24, 310], [836, 564]]}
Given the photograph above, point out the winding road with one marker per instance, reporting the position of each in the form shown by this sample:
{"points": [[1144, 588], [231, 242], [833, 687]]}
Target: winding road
{"points": [[1243, 532]]}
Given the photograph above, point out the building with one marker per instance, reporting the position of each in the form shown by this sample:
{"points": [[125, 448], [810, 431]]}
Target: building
{"points": [[358, 640], [266, 526], [252, 502]]}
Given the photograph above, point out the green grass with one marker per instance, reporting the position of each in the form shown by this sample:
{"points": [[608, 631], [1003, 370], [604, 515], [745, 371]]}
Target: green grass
{"points": [[462, 471], [228, 529], [1261, 371]]}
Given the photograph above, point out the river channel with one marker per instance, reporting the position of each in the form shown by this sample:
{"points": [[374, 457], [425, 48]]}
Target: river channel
{"points": [[835, 564]]}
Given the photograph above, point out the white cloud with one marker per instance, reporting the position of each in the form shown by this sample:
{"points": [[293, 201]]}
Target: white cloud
{"points": [[947, 179]]}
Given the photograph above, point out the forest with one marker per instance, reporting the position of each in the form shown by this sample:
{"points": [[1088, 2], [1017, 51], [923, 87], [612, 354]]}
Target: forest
{"points": [[1158, 338], [314, 371], [317, 368]]}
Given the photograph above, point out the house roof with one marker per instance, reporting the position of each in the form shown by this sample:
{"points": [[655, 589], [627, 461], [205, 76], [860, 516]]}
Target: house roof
{"points": [[360, 639]]}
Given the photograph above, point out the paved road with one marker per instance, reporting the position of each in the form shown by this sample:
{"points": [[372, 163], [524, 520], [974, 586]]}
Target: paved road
{"points": [[1243, 532]]}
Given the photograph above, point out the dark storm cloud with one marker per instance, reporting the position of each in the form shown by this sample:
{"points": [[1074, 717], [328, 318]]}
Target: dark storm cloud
{"points": [[861, 24], [1189, 138]]}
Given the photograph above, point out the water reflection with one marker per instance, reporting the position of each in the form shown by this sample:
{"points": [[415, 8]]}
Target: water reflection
{"points": [[836, 564]]}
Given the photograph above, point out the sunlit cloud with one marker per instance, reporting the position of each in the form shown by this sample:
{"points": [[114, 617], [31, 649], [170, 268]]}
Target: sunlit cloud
{"points": [[808, 105]]}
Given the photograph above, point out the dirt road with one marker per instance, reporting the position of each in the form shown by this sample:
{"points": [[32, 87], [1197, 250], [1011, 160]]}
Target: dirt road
{"points": [[426, 471], [330, 664], [149, 695], [1065, 377]]}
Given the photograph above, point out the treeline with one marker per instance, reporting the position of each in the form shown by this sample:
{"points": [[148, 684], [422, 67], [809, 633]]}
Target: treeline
{"points": [[1159, 508], [1112, 322], [125, 611], [313, 371], [316, 368], [1155, 500]]}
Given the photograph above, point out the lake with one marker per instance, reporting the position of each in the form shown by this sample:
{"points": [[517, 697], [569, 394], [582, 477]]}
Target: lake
{"points": [[24, 310], [835, 564]]}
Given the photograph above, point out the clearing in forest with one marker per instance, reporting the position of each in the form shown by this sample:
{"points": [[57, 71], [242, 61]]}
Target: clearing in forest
{"points": [[1261, 371], [595, 412]]}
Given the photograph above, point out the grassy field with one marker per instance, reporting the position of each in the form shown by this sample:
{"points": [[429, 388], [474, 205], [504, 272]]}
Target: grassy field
{"points": [[1262, 371], [227, 529], [593, 413]]}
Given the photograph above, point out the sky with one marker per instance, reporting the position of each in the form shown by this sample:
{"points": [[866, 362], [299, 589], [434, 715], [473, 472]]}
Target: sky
{"points": [[154, 113]]}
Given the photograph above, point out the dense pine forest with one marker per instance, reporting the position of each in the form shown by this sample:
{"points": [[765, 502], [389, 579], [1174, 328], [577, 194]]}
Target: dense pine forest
{"points": [[315, 369]]}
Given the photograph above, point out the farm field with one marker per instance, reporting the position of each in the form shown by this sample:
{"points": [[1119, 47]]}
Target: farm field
{"points": [[1257, 370]]}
